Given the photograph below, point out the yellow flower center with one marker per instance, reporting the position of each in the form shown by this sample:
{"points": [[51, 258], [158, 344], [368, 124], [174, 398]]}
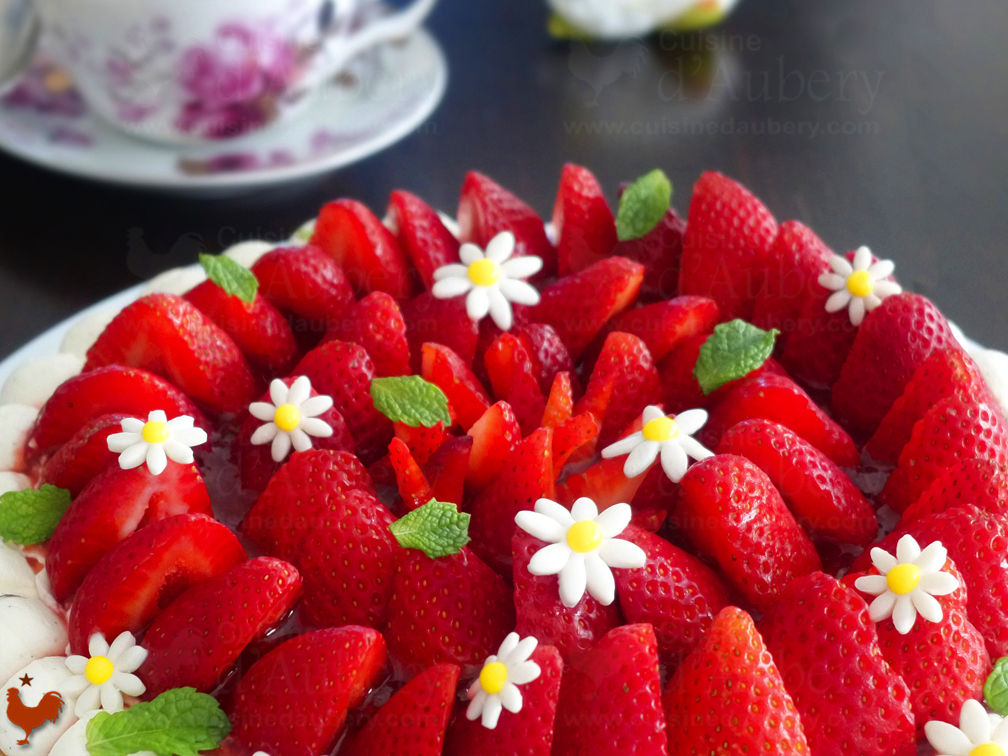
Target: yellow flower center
{"points": [[98, 670], [903, 578], [287, 417], [155, 432], [988, 749], [493, 677], [484, 272], [660, 429], [859, 283], [584, 536]]}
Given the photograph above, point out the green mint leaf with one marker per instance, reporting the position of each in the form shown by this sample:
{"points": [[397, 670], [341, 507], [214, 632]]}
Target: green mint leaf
{"points": [[734, 349], [410, 400], [232, 277], [996, 688], [179, 722], [31, 516], [305, 231], [437, 529], [643, 205]]}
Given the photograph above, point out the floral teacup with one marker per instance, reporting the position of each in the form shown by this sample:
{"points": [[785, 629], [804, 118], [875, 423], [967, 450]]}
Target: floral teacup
{"points": [[183, 71]]}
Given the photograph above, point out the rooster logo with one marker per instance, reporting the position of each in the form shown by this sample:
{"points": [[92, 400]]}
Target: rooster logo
{"points": [[600, 71], [30, 718]]}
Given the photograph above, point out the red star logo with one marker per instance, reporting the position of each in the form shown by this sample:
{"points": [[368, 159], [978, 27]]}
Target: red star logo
{"points": [[26, 680]]}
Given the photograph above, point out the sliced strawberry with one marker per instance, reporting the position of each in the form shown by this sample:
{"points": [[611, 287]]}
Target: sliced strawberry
{"points": [[494, 436], [467, 399], [197, 639], [84, 456], [422, 441], [954, 430], [827, 651], [892, 342], [344, 372], [146, 571], [348, 561], [603, 482], [526, 477], [560, 403], [579, 305], [821, 497], [260, 331], [728, 241], [610, 697], [168, 336], [975, 481], [440, 321], [660, 252], [447, 469], [514, 380], [680, 390], [733, 514], [450, 609], [413, 486], [421, 235], [486, 209], [663, 325], [548, 352], [413, 721], [377, 324], [529, 732], [817, 347], [577, 433], [730, 684], [112, 506], [368, 253], [294, 700], [584, 224]]}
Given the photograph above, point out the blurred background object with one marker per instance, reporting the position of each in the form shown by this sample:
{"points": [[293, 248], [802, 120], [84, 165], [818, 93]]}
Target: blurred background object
{"points": [[623, 19], [18, 32]]}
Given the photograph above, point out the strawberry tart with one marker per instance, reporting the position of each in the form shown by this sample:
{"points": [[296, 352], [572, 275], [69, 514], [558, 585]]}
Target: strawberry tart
{"points": [[623, 482]]}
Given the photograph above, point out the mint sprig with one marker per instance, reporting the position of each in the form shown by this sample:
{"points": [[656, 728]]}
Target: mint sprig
{"points": [[235, 279], [410, 400], [30, 516], [643, 205], [437, 529], [179, 722], [996, 688], [734, 349]]}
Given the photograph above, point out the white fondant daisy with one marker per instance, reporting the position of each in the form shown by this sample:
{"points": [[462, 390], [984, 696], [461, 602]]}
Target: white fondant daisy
{"points": [[100, 678], [860, 287], [980, 733], [496, 688], [907, 583], [669, 436], [491, 281], [291, 418], [582, 547], [156, 441]]}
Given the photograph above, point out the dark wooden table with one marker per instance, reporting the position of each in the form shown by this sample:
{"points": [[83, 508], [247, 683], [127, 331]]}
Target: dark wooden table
{"points": [[876, 123]]}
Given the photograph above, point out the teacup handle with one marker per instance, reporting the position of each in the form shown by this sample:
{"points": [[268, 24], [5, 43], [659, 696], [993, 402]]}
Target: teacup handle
{"points": [[341, 49]]}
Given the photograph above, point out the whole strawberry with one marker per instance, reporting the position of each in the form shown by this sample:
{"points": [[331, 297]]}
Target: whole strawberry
{"points": [[376, 324], [980, 482]]}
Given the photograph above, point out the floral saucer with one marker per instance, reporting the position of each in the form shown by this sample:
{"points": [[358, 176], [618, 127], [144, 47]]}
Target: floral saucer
{"points": [[379, 99]]}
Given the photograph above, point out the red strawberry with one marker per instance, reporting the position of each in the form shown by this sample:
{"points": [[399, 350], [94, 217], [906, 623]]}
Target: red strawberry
{"points": [[610, 698], [953, 430], [660, 252], [527, 733], [112, 506], [348, 560], [541, 614], [298, 494], [585, 228], [776, 397], [730, 684], [344, 372], [368, 253], [892, 342], [733, 514], [817, 492], [603, 482], [728, 241], [674, 592], [197, 639], [294, 700], [486, 209], [560, 403], [166, 335], [944, 373], [447, 469], [413, 721], [413, 486], [577, 433], [982, 483], [827, 651], [260, 331], [663, 325], [579, 305], [146, 571], [83, 456], [376, 323], [494, 436], [547, 351], [422, 441], [440, 321], [421, 235], [467, 399], [514, 380], [526, 477], [450, 609]]}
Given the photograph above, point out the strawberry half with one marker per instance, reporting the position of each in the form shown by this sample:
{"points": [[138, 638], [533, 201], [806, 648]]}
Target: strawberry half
{"points": [[547, 351], [495, 434], [410, 479], [421, 235], [447, 469], [663, 325], [376, 324], [440, 321], [197, 639], [585, 228], [84, 456], [467, 399], [975, 481], [560, 402], [660, 252], [514, 379]]}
